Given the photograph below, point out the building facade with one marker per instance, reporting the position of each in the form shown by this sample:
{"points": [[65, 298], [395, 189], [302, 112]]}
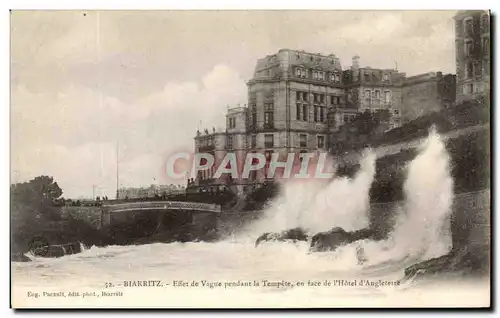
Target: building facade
{"points": [[427, 93], [372, 89], [291, 98], [472, 54], [299, 101]]}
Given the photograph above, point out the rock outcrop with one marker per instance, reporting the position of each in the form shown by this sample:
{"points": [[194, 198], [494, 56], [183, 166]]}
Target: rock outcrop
{"points": [[294, 235], [19, 257], [336, 237], [457, 261]]}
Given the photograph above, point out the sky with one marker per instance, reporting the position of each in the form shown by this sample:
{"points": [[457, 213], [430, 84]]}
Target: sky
{"points": [[83, 82]]}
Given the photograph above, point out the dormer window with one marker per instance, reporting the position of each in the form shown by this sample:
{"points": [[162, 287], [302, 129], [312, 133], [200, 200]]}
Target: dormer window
{"points": [[385, 77], [335, 78], [318, 75], [300, 72]]}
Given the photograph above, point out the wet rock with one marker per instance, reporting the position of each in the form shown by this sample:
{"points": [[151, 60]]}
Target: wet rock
{"points": [[460, 260], [294, 235], [19, 257], [336, 237]]}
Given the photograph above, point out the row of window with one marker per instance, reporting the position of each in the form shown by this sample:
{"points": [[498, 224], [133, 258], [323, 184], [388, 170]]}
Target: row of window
{"points": [[469, 47], [333, 77], [476, 69], [319, 113], [470, 27], [471, 88], [373, 77], [269, 141], [376, 95], [317, 98]]}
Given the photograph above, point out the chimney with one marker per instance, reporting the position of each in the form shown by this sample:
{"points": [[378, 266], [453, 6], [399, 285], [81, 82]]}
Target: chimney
{"points": [[355, 62]]}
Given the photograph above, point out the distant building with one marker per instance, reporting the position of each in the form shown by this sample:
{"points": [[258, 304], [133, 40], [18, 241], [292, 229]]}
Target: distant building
{"points": [[473, 54], [426, 93], [149, 192]]}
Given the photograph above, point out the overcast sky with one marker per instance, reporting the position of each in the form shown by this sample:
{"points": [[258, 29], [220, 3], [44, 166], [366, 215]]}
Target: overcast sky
{"points": [[83, 80]]}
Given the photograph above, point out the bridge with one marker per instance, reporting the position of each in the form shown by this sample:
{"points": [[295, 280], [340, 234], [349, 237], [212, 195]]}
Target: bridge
{"points": [[133, 212], [162, 205]]}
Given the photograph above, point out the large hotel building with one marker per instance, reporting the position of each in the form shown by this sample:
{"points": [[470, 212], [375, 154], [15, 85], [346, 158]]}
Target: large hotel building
{"points": [[298, 100]]}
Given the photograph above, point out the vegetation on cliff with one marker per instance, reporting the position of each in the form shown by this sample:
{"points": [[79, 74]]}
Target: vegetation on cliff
{"points": [[36, 213]]}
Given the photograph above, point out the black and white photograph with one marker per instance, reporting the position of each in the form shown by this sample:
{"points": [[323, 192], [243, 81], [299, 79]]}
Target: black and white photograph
{"points": [[244, 159]]}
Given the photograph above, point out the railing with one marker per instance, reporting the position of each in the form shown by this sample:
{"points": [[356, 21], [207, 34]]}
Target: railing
{"points": [[166, 205]]}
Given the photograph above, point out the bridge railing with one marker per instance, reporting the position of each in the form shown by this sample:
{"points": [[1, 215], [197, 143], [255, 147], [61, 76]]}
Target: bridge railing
{"points": [[167, 205]]}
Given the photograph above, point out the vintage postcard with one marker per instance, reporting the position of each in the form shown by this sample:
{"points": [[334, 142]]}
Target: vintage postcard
{"points": [[250, 159]]}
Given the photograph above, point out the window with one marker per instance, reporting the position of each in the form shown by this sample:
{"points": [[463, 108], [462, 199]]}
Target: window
{"points": [[305, 96], [316, 113], [232, 122], [322, 114], [396, 112], [298, 111], [303, 141], [300, 72], [321, 142], [269, 115], [368, 95], [331, 119], [304, 112], [268, 120], [468, 88], [298, 96], [253, 142], [229, 142], [387, 97], [486, 68], [469, 26], [377, 94], [468, 48], [485, 45], [254, 119], [318, 75], [386, 77], [319, 98], [469, 68], [269, 140], [335, 78], [478, 70], [367, 77], [485, 23], [335, 100]]}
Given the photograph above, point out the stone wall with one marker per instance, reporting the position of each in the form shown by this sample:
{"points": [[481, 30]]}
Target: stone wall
{"points": [[91, 215]]}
